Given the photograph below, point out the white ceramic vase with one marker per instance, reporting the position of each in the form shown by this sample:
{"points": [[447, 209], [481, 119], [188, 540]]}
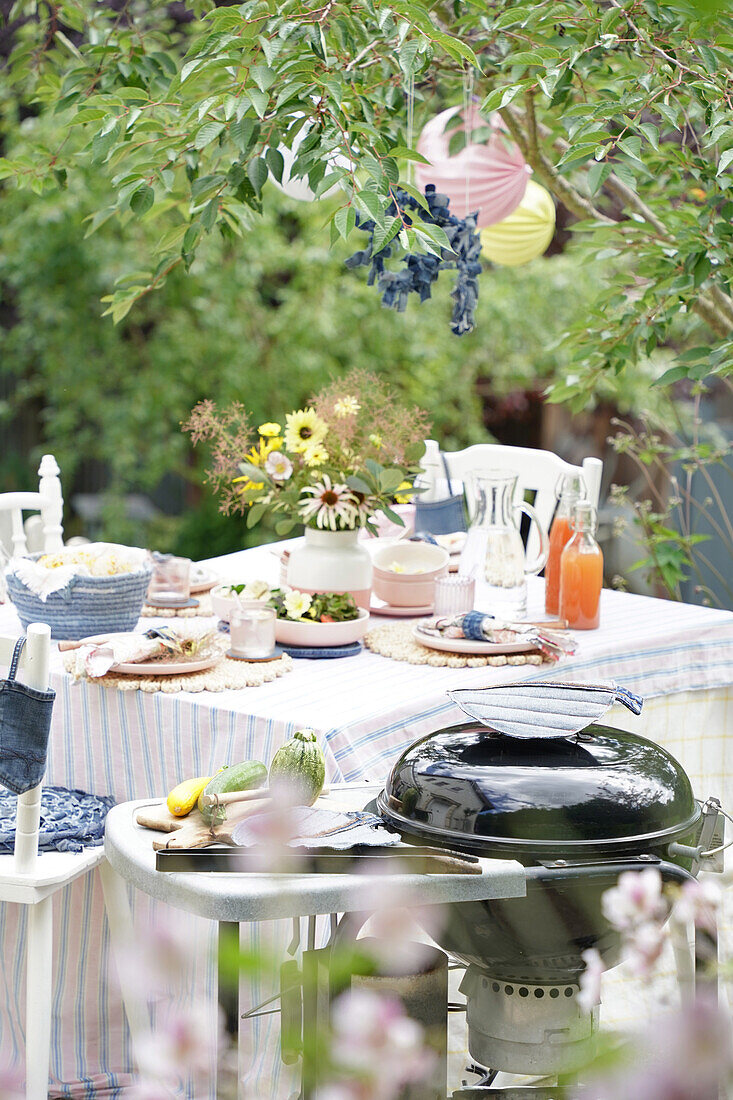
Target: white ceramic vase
{"points": [[331, 561]]}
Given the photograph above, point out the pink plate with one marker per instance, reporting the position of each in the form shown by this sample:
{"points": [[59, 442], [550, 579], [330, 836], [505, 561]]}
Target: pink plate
{"points": [[469, 646], [400, 612], [168, 668]]}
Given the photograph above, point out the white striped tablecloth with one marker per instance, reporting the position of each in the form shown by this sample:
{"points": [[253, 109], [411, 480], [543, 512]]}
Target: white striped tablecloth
{"points": [[365, 710]]}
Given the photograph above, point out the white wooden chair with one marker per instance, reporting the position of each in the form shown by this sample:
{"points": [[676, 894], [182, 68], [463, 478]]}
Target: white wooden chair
{"points": [[29, 878], [48, 501], [538, 472]]}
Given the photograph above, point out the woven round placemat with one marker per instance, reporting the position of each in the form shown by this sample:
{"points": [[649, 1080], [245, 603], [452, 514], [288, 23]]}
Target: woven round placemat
{"points": [[226, 675], [396, 640], [204, 610]]}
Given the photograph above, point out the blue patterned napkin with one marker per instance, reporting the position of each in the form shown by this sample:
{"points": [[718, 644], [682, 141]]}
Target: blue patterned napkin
{"points": [[319, 653]]}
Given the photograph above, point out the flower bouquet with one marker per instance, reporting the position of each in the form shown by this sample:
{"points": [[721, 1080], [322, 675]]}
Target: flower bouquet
{"points": [[333, 465]]}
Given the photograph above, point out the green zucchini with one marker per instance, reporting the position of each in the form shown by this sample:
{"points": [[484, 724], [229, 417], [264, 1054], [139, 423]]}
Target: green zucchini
{"points": [[301, 764], [238, 777]]}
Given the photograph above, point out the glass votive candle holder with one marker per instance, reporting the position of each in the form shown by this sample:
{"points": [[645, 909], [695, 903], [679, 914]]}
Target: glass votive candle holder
{"points": [[454, 594], [170, 583], [252, 630]]}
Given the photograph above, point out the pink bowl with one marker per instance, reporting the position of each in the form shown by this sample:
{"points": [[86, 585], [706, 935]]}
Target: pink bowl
{"points": [[415, 587]]}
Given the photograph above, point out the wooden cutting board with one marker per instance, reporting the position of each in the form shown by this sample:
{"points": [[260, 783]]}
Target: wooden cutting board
{"points": [[193, 832]]}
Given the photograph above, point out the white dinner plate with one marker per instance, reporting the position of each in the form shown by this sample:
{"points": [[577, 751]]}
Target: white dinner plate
{"points": [[469, 646], [202, 580]]}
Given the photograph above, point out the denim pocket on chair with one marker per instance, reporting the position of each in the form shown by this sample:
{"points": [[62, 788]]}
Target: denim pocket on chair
{"points": [[25, 723], [440, 517]]}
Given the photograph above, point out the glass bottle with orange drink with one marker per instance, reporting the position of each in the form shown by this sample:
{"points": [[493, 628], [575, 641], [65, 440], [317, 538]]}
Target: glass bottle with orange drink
{"points": [[572, 489], [581, 572]]}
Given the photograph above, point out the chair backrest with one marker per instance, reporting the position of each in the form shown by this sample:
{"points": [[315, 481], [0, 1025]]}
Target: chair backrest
{"points": [[538, 473], [48, 501], [33, 670]]}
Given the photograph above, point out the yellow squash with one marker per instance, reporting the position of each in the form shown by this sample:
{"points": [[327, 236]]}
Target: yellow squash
{"points": [[184, 797]]}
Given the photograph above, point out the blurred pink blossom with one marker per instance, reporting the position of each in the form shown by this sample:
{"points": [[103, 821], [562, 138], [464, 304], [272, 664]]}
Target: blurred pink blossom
{"points": [[643, 946], [590, 980], [398, 918], [683, 1055], [698, 903], [184, 1043], [636, 899], [375, 1048]]}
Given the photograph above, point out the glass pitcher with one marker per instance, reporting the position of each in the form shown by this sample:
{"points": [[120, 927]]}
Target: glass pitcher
{"points": [[494, 552]]}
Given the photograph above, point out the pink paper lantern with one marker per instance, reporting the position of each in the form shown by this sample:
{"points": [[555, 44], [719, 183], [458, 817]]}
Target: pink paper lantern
{"points": [[496, 171]]}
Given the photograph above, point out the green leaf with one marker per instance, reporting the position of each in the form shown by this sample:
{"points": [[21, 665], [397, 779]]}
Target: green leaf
{"points": [[263, 76], [725, 159], [257, 172], [598, 173], [208, 133], [244, 133], [142, 199], [275, 163], [651, 133], [401, 152], [345, 220]]}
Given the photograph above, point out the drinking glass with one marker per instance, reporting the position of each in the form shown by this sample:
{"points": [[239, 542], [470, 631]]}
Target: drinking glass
{"points": [[454, 594], [252, 629], [170, 583]]}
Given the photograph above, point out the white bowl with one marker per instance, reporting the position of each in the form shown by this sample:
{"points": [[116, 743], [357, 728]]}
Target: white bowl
{"points": [[302, 632]]}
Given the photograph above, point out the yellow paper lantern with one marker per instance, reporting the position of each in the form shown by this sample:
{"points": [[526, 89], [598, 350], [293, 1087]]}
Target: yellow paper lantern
{"points": [[525, 233]]}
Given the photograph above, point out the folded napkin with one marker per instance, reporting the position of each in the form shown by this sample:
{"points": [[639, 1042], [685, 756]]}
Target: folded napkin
{"points": [[543, 708], [51, 573], [97, 658], [319, 828], [477, 626]]}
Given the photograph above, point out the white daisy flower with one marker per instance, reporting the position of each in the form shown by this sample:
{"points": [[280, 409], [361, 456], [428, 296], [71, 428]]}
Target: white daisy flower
{"points": [[346, 406], [278, 466], [297, 603], [333, 505]]}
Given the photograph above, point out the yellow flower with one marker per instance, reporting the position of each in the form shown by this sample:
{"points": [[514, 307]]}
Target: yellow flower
{"points": [[346, 406], [269, 429], [304, 429], [376, 440], [404, 493], [316, 455]]}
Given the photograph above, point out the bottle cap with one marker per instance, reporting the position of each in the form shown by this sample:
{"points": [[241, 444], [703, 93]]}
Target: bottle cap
{"points": [[571, 485]]}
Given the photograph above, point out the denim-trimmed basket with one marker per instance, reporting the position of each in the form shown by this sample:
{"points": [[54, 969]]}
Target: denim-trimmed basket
{"points": [[86, 606]]}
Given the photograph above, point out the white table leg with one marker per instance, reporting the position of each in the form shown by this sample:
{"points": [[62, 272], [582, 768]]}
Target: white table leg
{"points": [[117, 905], [39, 956]]}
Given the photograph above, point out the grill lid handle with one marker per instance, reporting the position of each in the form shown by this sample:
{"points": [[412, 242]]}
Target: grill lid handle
{"points": [[543, 708]]}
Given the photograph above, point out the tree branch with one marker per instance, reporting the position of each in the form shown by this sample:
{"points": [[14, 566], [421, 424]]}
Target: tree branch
{"points": [[713, 306]]}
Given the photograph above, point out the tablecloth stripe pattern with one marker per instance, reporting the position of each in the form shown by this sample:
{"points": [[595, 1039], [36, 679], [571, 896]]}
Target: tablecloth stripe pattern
{"points": [[366, 711]]}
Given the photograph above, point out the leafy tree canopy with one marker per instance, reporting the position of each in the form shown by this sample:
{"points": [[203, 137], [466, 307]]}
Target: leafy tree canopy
{"points": [[622, 107]]}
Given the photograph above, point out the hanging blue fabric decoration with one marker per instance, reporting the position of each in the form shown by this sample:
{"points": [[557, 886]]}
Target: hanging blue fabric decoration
{"points": [[422, 269]]}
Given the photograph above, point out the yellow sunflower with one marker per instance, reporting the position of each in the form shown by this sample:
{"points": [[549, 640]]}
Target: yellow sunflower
{"points": [[403, 494], [304, 429], [269, 429]]}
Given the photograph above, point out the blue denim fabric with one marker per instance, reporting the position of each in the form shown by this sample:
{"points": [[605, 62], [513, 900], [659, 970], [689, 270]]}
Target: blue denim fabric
{"points": [[25, 722], [441, 517], [320, 653], [70, 820]]}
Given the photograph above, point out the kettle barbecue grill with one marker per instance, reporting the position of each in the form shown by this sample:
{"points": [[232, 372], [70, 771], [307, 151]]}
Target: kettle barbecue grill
{"points": [[576, 802]]}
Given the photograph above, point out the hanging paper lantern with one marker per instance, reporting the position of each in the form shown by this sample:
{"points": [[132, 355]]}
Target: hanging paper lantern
{"points": [[525, 234], [491, 176], [298, 188]]}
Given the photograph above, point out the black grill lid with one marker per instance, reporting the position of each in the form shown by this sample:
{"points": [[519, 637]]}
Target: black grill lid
{"points": [[603, 787]]}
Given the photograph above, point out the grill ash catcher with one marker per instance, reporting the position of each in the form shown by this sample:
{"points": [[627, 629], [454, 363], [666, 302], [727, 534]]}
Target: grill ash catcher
{"points": [[537, 777]]}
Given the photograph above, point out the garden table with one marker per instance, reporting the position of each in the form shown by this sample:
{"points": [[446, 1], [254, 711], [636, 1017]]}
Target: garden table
{"points": [[365, 709]]}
